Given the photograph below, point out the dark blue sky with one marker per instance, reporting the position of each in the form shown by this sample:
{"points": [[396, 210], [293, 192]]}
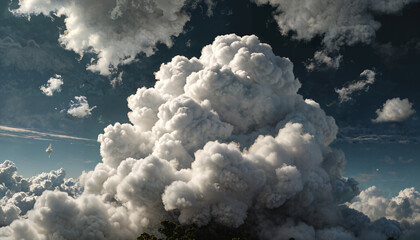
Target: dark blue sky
{"points": [[30, 54]]}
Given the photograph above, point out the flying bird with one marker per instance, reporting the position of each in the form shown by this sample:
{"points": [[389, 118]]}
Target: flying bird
{"points": [[49, 150]]}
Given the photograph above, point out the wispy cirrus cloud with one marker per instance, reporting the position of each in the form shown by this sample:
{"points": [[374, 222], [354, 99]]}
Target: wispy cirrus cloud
{"points": [[344, 94], [31, 134], [365, 177], [368, 135]]}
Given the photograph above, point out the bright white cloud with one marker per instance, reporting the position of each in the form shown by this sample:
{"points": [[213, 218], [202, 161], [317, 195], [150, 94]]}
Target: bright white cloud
{"points": [[344, 94], [338, 22], [115, 30], [18, 194], [53, 85], [404, 207], [180, 157], [394, 110], [396, 217], [371, 203], [79, 107]]}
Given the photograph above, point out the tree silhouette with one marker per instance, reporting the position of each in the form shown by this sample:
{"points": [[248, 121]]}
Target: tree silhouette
{"points": [[173, 231], [146, 236]]}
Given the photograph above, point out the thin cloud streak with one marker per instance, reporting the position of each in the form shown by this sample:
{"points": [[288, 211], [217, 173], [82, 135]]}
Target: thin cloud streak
{"points": [[365, 177], [31, 134]]}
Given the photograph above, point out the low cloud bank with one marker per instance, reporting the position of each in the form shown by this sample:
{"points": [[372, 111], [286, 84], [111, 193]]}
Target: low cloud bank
{"points": [[18, 194]]}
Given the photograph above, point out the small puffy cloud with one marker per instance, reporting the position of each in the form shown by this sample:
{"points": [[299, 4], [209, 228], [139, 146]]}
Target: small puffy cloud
{"points": [[79, 107], [53, 85], [345, 92], [321, 60], [115, 30], [338, 23], [394, 110]]}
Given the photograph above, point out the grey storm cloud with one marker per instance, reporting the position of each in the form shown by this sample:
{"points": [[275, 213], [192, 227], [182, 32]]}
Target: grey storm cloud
{"points": [[224, 138], [338, 22], [394, 110], [115, 30]]}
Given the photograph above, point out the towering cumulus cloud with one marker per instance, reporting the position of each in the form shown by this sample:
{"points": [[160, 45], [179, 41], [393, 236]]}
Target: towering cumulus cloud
{"points": [[221, 139], [115, 30], [338, 22]]}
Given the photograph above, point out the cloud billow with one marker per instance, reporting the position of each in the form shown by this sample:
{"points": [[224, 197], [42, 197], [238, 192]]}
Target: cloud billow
{"points": [[338, 22], [53, 85], [114, 30], [394, 110], [18, 194], [79, 107], [180, 158]]}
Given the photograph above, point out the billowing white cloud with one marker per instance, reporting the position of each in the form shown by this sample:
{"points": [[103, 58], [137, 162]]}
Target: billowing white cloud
{"points": [[115, 30], [404, 207], [224, 138], [345, 92], [18, 194], [53, 85], [338, 22], [394, 110], [371, 203], [79, 107]]}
